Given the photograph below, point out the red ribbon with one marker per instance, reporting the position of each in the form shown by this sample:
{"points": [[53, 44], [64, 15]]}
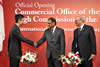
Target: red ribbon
{"points": [[63, 65], [75, 65]]}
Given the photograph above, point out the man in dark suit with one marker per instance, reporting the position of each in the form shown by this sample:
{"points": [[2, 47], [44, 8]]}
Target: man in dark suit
{"points": [[55, 38], [14, 41], [84, 42]]}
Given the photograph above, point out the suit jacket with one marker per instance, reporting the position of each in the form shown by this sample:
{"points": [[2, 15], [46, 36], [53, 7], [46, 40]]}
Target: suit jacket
{"points": [[85, 41], [55, 42], [14, 42]]}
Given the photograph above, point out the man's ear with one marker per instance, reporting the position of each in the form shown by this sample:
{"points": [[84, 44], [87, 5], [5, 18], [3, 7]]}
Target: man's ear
{"points": [[53, 23]]}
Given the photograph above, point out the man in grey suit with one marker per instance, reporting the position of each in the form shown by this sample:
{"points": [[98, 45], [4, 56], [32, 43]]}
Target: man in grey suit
{"points": [[14, 41], [84, 42], [55, 38]]}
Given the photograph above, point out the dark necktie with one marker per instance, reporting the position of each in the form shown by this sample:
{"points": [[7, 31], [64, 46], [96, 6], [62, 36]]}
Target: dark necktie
{"points": [[79, 31], [52, 31]]}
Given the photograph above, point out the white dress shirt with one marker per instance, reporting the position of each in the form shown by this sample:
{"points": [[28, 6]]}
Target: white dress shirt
{"points": [[81, 27], [54, 29]]}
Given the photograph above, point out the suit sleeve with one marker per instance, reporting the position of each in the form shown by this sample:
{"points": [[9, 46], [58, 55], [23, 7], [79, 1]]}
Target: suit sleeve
{"points": [[42, 40], [22, 38], [93, 40], [62, 43], [73, 44], [8, 43]]}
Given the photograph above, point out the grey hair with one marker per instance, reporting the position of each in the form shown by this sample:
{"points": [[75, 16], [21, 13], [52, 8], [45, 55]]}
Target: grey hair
{"points": [[81, 18]]}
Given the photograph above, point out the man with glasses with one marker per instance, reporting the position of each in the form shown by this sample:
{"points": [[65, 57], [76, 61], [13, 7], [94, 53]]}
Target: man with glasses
{"points": [[84, 42]]}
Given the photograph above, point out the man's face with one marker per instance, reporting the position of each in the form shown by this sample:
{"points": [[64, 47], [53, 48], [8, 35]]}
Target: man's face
{"points": [[78, 22], [21, 22], [50, 24]]}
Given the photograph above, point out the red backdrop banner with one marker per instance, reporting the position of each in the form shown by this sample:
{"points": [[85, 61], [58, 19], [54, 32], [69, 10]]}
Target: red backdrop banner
{"points": [[37, 12]]}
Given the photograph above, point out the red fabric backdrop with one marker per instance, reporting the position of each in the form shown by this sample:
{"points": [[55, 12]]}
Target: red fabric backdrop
{"points": [[9, 13]]}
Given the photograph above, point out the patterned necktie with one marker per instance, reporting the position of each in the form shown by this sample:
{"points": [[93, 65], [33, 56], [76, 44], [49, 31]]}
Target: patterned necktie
{"points": [[52, 36], [52, 31]]}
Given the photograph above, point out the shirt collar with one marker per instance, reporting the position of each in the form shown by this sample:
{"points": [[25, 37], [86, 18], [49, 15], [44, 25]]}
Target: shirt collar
{"points": [[54, 29], [81, 26], [17, 25]]}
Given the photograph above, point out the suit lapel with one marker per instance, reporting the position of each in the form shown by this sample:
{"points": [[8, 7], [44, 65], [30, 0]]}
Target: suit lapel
{"points": [[49, 33], [52, 35], [17, 27], [76, 33], [55, 32], [82, 31]]}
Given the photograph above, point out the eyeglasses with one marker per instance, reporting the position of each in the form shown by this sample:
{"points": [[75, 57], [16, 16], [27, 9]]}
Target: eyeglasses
{"points": [[77, 20]]}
